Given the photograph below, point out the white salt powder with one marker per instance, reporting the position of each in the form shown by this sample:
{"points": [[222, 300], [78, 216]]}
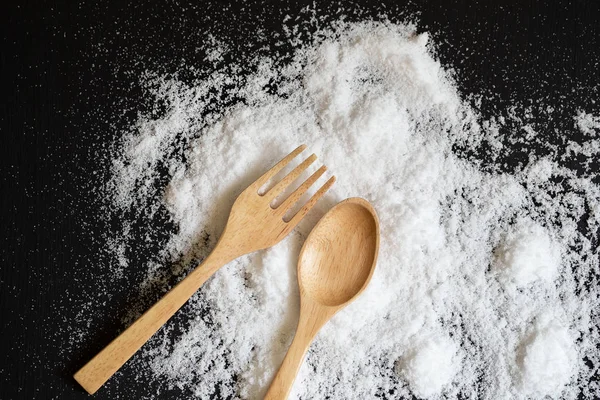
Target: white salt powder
{"points": [[430, 366], [527, 254], [470, 261], [547, 358]]}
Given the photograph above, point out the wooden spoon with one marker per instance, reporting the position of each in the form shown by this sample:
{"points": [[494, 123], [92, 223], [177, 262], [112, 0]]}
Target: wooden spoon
{"points": [[335, 265]]}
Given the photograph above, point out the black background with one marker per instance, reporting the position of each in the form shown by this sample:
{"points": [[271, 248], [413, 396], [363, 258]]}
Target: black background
{"points": [[69, 75]]}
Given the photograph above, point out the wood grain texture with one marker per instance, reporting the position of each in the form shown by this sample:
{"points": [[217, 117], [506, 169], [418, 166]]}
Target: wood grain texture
{"points": [[335, 265], [252, 225]]}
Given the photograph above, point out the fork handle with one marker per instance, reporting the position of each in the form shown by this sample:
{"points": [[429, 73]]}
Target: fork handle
{"points": [[100, 368]]}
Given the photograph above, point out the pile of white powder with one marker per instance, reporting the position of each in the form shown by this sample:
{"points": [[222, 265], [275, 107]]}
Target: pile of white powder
{"points": [[486, 285]]}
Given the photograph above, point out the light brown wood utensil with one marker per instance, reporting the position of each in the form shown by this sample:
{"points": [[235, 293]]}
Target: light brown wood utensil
{"points": [[253, 225], [335, 265]]}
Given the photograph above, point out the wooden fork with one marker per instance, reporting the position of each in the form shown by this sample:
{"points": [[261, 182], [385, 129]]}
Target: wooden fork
{"points": [[253, 224]]}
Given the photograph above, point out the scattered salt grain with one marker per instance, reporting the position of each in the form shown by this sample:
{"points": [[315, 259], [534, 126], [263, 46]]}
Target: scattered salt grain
{"points": [[588, 123], [471, 261]]}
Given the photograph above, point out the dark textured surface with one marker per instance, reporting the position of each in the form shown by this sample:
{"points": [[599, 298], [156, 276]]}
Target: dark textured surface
{"points": [[69, 72]]}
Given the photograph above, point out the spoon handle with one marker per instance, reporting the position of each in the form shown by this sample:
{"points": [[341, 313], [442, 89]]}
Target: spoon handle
{"points": [[284, 380], [312, 318]]}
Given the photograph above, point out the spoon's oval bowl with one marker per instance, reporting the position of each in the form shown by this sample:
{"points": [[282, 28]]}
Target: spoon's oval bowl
{"points": [[339, 256]]}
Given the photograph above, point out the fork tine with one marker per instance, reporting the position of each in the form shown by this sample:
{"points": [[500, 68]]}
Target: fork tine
{"points": [[279, 166], [310, 203], [291, 177], [295, 196]]}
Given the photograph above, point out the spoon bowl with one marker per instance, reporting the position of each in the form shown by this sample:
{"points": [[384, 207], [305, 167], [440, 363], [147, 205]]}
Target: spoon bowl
{"points": [[338, 258], [335, 265]]}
